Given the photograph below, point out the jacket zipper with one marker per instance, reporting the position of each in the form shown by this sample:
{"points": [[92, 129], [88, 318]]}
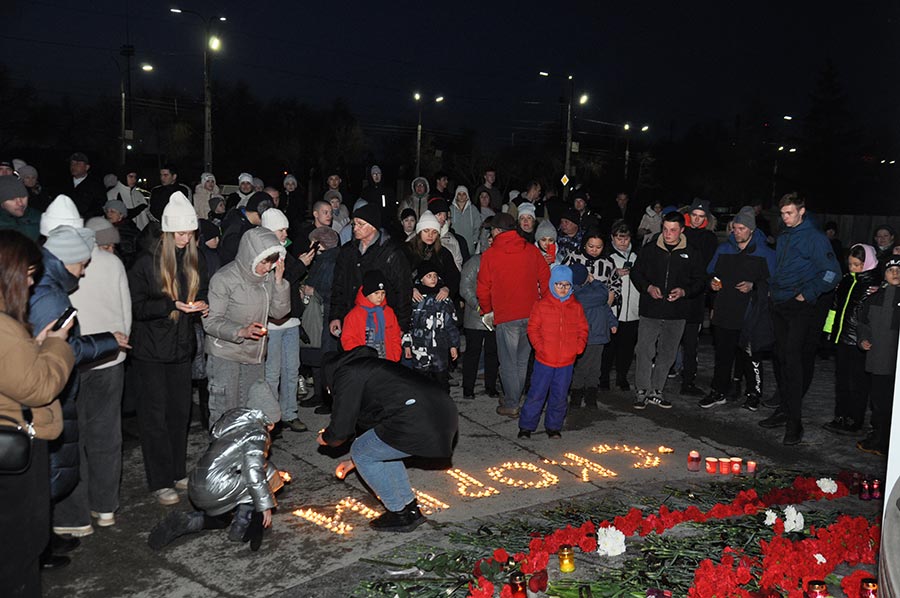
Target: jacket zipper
{"points": [[844, 309]]}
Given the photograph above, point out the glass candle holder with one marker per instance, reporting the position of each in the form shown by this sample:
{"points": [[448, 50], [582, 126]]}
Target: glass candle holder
{"points": [[751, 466], [868, 588], [724, 465], [693, 462], [736, 465], [566, 559], [712, 465], [517, 585], [816, 589]]}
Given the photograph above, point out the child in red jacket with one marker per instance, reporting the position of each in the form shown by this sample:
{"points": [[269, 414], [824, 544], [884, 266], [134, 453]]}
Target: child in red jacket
{"points": [[372, 322], [558, 330]]}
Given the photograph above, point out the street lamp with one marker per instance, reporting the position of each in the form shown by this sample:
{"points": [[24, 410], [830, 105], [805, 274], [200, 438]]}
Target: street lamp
{"points": [[210, 43], [126, 133], [627, 127], [582, 100], [418, 99]]}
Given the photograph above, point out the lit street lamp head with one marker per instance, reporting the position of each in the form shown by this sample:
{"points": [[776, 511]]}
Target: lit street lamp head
{"points": [[215, 44], [645, 128], [147, 68], [417, 96], [627, 127], [583, 99], [177, 11], [439, 99]]}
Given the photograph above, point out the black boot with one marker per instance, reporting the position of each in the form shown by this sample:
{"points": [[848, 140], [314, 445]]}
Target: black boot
{"points": [[240, 523], [175, 525], [254, 533], [590, 397], [793, 433], [576, 397], [399, 521]]}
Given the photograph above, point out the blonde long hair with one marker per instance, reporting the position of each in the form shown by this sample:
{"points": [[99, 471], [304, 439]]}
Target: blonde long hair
{"points": [[168, 269]]}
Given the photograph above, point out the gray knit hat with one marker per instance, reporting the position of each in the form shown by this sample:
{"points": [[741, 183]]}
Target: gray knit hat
{"points": [[71, 245], [747, 217], [545, 229], [116, 205], [11, 187], [260, 397], [104, 231]]}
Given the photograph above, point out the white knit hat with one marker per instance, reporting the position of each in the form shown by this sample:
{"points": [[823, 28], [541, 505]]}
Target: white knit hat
{"points": [[245, 177], [70, 245], [427, 220], [206, 176], [526, 208], [274, 219], [61, 210], [179, 215]]}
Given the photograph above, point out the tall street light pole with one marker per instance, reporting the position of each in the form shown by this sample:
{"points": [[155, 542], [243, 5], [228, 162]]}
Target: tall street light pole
{"points": [[210, 43], [627, 129], [125, 131], [418, 98], [569, 118]]}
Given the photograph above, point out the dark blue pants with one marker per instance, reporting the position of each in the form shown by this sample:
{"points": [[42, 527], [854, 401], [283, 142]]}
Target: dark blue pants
{"points": [[551, 386]]}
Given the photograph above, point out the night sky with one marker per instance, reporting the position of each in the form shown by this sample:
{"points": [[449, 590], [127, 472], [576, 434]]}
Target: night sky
{"points": [[644, 62]]}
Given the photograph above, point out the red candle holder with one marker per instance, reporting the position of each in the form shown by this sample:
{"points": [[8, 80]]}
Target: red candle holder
{"points": [[724, 465], [693, 462], [751, 466], [736, 465], [712, 465]]}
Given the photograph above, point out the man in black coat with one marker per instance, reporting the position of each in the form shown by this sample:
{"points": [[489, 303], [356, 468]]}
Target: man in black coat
{"points": [[622, 208], [377, 194], [240, 220], [667, 273], [168, 184], [402, 414], [86, 190], [370, 250]]}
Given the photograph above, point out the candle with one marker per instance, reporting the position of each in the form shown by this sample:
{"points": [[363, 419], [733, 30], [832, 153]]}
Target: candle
{"points": [[693, 462], [816, 589], [566, 559], [864, 490], [724, 465], [263, 331], [868, 588], [711, 464], [736, 463], [751, 466], [876, 489], [517, 585]]}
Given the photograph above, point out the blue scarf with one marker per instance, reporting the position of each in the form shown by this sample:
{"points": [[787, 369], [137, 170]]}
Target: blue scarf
{"points": [[375, 322]]}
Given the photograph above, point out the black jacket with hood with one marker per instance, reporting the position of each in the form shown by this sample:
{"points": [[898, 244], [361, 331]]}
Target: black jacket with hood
{"points": [[680, 267]]}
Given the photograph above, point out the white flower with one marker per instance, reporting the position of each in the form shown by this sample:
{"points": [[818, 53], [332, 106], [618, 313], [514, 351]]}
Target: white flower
{"points": [[610, 541], [771, 517], [793, 520], [827, 485], [820, 560]]}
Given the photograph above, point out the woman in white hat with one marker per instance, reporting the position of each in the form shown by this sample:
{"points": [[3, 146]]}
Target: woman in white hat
{"points": [[168, 293]]}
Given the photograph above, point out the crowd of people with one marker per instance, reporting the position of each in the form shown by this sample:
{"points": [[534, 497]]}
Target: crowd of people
{"points": [[368, 307]]}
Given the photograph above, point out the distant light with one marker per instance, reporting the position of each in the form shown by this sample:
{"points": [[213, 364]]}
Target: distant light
{"points": [[645, 128], [128, 147], [417, 96], [439, 99], [884, 161], [780, 148], [544, 74], [792, 150], [214, 43], [147, 68], [892, 161], [570, 77], [788, 117], [583, 99], [177, 11], [627, 127], [223, 19]]}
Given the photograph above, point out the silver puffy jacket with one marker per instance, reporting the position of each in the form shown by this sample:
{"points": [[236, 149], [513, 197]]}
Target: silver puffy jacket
{"points": [[234, 469]]}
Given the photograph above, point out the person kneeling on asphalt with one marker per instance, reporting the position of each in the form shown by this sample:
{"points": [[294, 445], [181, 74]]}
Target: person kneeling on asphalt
{"points": [[402, 414], [233, 475]]}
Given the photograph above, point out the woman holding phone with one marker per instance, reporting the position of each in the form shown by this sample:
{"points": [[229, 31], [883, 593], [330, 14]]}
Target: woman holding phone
{"points": [[168, 293], [33, 371]]}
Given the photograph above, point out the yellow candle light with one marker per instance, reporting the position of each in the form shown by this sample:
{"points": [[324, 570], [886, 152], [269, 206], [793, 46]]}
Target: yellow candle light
{"points": [[566, 559]]}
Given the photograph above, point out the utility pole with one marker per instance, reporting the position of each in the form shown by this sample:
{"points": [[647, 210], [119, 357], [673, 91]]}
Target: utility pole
{"points": [[569, 135]]}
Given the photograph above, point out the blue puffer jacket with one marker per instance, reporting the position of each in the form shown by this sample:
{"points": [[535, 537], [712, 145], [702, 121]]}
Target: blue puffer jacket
{"points": [[49, 301], [594, 299], [804, 264]]}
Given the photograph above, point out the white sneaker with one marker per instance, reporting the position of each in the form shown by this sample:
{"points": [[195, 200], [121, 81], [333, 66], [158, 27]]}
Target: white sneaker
{"points": [[166, 496], [104, 519], [76, 531], [181, 484]]}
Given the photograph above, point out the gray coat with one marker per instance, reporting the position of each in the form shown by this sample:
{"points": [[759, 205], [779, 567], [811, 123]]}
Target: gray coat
{"points": [[467, 284], [234, 470], [239, 297], [879, 323]]}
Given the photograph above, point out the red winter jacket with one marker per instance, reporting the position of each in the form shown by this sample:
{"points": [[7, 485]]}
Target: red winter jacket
{"points": [[513, 275], [558, 330], [353, 331]]}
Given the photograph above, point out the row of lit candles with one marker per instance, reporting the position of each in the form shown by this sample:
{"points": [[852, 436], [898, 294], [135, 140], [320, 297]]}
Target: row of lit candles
{"points": [[722, 465]]}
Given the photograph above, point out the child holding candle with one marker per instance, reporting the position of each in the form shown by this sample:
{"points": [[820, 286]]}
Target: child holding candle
{"points": [[433, 337], [233, 475], [879, 323], [558, 330], [372, 322]]}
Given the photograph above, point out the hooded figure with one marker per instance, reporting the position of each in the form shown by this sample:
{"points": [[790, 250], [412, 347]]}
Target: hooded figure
{"points": [[242, 296], [418, 200], [400, 414]]}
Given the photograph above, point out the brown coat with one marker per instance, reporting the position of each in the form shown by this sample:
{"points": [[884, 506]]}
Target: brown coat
{"points": [[32, 375]]}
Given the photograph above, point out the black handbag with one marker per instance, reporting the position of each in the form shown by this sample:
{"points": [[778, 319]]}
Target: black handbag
{"points": [[15, 444]]}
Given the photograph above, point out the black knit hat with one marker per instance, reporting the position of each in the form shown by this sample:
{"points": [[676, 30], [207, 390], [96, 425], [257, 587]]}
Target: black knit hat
{"points": [[427, 266], [371, 213], [259, 202], [436, 205], [373, 280], [572, 215], [208, 230]]}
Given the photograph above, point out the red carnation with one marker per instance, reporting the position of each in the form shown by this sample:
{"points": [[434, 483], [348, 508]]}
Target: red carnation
{"points": [[850, 583], [538, 582], [501, 556]]}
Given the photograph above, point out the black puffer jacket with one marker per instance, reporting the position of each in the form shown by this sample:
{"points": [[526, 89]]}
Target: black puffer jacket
{"points": [[682, 267], [852, 292], [408, 411], [154, 336]]}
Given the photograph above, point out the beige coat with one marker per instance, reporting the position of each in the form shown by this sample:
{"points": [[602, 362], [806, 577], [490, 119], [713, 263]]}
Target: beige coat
{"points": [[33, 375]]}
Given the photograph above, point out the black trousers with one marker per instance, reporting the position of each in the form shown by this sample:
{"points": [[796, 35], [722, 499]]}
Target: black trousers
{"points": [[730, 356], [690, 340], [881, 393], [475, 340], [619, 352], [851, 382], [797, 327], [164, 413]]}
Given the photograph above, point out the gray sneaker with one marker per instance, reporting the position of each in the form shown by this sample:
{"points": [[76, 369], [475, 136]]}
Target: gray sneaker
{"points": [[655, 397], [640, 399]]}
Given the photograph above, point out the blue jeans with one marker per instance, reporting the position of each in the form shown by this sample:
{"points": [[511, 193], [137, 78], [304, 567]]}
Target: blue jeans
{"points": [[381, 466], [283, 363], [513, 349], [551, 386]]}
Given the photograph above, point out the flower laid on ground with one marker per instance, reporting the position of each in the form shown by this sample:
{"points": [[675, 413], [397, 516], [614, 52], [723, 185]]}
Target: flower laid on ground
{"points": [[771, 517], [610, 541], [820, 559], [793, 519], [827, 485]]}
